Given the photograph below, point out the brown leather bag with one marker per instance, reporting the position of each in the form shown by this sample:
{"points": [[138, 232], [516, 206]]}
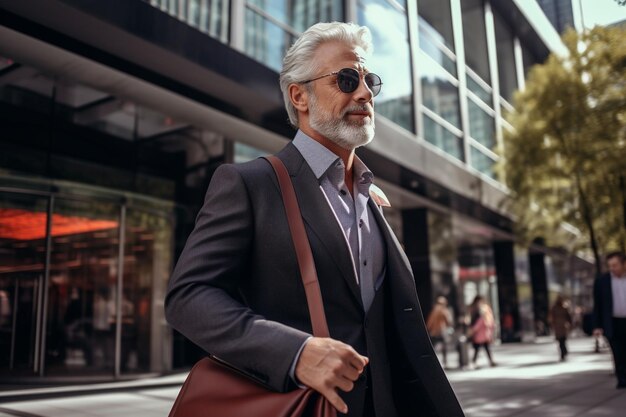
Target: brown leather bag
{"points": [[215, 389]]}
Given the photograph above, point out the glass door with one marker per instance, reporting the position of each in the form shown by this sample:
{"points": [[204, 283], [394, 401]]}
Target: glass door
{"points": [[82, 303], [23, 220]]}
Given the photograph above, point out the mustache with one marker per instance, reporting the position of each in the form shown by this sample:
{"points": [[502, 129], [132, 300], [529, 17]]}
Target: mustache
{"points": [[359, 108]]}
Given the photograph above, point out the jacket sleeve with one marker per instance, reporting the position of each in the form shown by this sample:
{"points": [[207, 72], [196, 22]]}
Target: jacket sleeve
{"points": [[203, 301]]}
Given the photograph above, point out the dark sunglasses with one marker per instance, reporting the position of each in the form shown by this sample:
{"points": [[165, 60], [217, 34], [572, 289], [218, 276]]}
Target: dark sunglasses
{"points": [[348, 80]]}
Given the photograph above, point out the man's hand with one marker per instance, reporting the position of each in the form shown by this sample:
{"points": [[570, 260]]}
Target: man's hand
{"points": [[326, 364], [598, 332]]}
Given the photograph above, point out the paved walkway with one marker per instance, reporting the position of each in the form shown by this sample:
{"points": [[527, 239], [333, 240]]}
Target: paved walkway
{"points": [[528, 381]]}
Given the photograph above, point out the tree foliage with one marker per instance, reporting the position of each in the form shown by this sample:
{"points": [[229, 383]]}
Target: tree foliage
{"points": [[565, 159]]}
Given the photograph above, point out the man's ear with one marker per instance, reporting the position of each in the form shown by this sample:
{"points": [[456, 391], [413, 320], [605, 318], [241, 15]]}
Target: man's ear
{"points": [[299, 97]]}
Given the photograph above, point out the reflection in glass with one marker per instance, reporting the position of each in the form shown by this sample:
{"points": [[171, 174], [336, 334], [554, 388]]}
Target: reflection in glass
{"points": [[480, 91], [443, 258], [80, 330], [264, 41], [433, 50], [267, 42], [436, 17], [477, 273], [300, 14], [79, 334], [482, 162], [506, 57], [438, 93], [475, 37], [442, 138], [528, 60], [147, 262], [209, 16], [482, 127], [524, 290], [22, 259], [65, 91], [391, 59], [505, 109], [129, 121]]}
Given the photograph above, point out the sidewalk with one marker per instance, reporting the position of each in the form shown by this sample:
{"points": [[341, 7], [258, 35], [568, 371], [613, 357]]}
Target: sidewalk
{"points": [[528, 382]]}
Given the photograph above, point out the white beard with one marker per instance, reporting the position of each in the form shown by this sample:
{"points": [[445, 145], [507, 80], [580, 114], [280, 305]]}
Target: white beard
{"points": [[344, 133]]}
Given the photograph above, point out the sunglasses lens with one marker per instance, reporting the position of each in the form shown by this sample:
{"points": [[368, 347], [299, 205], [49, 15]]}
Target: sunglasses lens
{"points": [[374, 83], [348, 80]]}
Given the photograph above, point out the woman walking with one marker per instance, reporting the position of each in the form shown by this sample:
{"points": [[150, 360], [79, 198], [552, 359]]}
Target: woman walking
{"points": [[482, 326], [561, 322]]}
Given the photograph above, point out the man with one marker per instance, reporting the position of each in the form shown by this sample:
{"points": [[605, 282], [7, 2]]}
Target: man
{"points": [[609, 297], [237, 292]]}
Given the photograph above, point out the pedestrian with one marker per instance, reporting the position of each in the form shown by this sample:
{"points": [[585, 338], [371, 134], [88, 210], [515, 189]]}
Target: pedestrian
{"points": [[482, 326], [609, 311], [508, 326], [439, 324], [236, 290], [561, 322]]}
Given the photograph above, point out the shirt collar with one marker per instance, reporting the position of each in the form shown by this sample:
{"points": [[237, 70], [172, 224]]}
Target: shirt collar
{"points": [[321, 159]]}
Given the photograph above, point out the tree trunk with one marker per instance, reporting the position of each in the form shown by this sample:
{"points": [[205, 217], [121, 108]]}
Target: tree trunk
{"points": [[587, 217]]}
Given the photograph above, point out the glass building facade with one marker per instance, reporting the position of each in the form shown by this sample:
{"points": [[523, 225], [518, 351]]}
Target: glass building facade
{"points": [[109, 143]]}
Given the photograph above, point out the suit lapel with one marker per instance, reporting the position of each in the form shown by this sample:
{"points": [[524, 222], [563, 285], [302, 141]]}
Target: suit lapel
{"points": [[318, 215], [395, 254]]}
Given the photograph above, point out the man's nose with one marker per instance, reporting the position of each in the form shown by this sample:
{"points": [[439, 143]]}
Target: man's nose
{"points": [[363, 94]]}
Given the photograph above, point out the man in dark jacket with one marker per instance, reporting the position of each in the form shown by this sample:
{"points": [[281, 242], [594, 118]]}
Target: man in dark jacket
{"points": [[237, 292], [609, 295]]}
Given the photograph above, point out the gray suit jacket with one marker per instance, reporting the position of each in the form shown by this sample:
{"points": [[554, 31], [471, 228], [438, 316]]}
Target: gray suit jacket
{"points": [[237, 293]]}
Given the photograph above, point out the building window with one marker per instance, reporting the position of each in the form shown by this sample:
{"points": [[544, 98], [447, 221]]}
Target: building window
{"points": [[436, 18], [440, 91], [265, 41], [391, 59], [528, 60], [442, 138], [298, 14], [482, 162], [77, 331], [475, 38], [506, 110], [482, 126], [435, 49], [506, 57], [272, 26], [478, 87], [209, 16], [22, 266]]}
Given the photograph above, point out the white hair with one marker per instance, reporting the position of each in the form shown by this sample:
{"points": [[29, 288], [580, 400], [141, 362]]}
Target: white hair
{"points": [[298, 64]]}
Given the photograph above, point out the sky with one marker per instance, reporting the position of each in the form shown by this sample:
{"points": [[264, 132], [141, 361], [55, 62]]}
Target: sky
{"points": [[597, 12]]}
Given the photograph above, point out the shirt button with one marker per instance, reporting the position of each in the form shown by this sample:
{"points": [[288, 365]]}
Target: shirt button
{"points": [[365, 263], [360, 222], [343, 192]]}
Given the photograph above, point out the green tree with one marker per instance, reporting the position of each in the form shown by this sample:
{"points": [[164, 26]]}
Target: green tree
{"points": [[565, 159]]}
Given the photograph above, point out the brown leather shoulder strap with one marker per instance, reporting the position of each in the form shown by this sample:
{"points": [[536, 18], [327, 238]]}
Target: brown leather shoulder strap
{"points": [[303, 249]]}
